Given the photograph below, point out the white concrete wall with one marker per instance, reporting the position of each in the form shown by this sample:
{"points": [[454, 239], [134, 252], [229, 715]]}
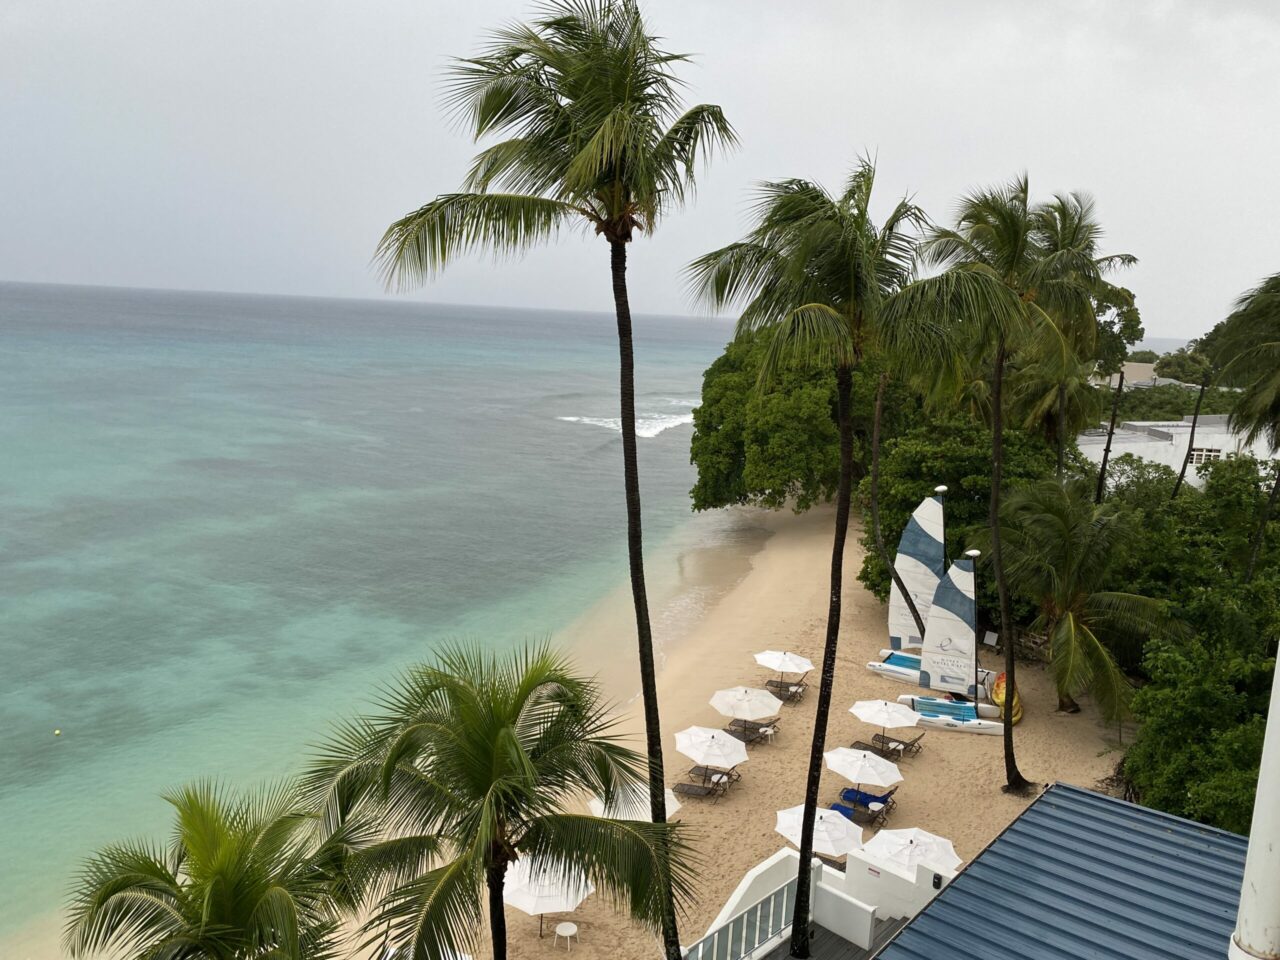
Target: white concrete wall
{"points": [[1173, 450], [895, 891], [843, 915]]}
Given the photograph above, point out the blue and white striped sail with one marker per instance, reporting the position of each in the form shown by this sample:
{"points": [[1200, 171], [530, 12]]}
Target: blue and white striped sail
{"points": [[947, 660], [920, 563]]}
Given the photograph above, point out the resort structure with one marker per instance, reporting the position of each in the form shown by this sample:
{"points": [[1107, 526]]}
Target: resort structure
{"points": [[1166, 442]]}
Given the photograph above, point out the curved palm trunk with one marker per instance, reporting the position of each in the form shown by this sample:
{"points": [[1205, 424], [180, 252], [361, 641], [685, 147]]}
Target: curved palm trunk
{"points": [[1014, 780], [1191, 440], [875, 505], [635, 557], [1061, 429], [800, 919], [1111, 431], [495, 877], [1260, 534]]}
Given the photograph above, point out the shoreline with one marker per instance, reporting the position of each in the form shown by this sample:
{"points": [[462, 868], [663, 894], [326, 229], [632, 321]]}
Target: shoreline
{"points": [[722, 587]]}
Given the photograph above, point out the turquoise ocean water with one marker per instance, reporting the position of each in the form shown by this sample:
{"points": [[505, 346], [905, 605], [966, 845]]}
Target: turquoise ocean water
{"points": [[224, 519]]}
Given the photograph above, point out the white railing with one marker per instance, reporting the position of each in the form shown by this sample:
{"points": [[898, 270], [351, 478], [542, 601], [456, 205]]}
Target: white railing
{"points": [[749, 930]]}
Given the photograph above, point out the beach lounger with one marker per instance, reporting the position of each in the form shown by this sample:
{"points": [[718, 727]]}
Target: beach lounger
{"points": [[748, 735], [908, 748], [700, 790], [865, 799], [788, 691], [715, 775], [765, 727], [859, 815], [877, 749]]}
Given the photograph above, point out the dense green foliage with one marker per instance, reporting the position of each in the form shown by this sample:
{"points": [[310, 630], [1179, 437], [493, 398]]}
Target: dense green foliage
{"points": [[1185, 364], [1143, 356], [779, 445], [1168, 402]]}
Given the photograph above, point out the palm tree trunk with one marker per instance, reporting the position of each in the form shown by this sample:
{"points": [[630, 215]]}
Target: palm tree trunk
{"points": [[1014, 780], [1195, 419], [875, 505], [800, 919], [495, 876], [1061, 428], [1106, 451], [635, 557], [1260, 534]]}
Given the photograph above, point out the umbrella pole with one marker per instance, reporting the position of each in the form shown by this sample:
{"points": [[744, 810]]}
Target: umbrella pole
{"points": [[539, 926]]}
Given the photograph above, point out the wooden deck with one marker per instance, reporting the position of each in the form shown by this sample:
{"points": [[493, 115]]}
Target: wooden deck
{"points": [[825, 945]]}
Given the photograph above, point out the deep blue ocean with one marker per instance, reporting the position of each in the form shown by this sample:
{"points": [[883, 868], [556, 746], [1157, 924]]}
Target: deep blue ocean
{"points": [[225, 519]]}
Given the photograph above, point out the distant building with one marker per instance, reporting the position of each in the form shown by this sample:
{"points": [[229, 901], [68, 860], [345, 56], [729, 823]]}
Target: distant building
{"points": [[1140, 376], [1165, 441]]}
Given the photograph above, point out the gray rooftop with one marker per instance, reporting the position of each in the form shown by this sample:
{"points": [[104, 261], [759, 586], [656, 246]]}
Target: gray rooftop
{"points": [[1082, 875]]}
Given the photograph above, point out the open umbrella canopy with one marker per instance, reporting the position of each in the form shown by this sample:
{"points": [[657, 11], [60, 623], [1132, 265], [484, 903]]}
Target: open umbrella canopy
{"points": [[537, 888], [784, 662], [908, 848], [711, 748], [746, 703], [862, 766], [885, 713], [630, 803], [833, 834]]}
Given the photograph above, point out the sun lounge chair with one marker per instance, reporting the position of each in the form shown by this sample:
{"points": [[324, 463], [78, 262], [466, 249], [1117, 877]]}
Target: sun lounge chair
{"points": [[748, 735], [766, 728], [715, 775], [788, 691], [865, 799], [859, 815], [877, 749], [700, 790], [904, 747]]}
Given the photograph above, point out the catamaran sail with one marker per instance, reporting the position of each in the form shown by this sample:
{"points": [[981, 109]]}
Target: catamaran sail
{"points": [[947, 659], [920, 562]]}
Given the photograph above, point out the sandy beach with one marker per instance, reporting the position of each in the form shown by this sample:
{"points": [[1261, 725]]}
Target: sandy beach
{"points": [[951, 788], [765, 586]]}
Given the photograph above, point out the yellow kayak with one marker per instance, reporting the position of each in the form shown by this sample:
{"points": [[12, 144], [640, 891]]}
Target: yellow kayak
{"points": [[997, 697]]}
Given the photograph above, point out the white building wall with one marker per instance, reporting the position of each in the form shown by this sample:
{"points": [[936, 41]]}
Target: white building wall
{"points": [[1167, 442]]}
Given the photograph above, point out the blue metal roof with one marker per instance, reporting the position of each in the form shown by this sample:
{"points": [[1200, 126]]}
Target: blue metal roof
{"points": [[1082, 875]]}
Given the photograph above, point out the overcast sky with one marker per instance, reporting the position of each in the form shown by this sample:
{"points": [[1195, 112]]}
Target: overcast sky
{"points": [[263, 145]]}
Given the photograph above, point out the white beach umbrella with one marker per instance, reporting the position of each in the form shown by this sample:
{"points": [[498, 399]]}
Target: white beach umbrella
{"points": [[537, 889], [833, 834], [862, 766], [711, 748], [907, 848], [885, 713], [784, 662], [630, 803], [746, 703]]}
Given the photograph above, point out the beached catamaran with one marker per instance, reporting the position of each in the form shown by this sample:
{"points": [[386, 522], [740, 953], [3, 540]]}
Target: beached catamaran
{"points": [[920, 562]]}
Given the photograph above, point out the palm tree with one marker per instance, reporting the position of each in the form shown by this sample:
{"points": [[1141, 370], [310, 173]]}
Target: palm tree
{"points": [[1055, 395], [1014, 276], [242, 879], [1247, 348], [1101, 489], [1060, 549], [812, 273], [470, 766], [596, 137]]}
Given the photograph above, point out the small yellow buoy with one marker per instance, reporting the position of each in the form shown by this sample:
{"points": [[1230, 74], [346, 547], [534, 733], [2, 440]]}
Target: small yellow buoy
{"points": [[57, 733]]}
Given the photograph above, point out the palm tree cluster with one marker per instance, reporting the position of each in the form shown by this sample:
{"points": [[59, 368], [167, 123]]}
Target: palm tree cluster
{"points": [[403, 829]]}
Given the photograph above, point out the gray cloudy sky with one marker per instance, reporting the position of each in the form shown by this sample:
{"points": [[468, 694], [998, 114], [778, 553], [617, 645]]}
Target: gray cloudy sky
{"points": [[263, 145]]}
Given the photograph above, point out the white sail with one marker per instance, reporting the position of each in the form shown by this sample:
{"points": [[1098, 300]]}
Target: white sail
{"points": [[920, 562], [947, 659]]}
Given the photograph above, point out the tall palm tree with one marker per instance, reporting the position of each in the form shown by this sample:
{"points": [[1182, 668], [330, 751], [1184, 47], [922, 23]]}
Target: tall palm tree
{"points": [[1015, 276], [1060, 549], [1055, 395], [1247, 348], [812, 273], [241, 879], [471, 765], [595, 136]]}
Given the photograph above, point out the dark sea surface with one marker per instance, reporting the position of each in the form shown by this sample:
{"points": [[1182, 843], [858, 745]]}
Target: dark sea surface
{"points": [[225, 519]]}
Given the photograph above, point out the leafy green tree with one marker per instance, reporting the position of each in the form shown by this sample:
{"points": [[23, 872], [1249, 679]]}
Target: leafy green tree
{"points": [[1143, 356], [242, 879], [1247, 347], [1063, 551], [812, 274], [1119, 327], [1185, 364], [780, 446], [1055, 395], [470, 765], [1169, 402], [596, 137], [956, 452], [1012, 274]]}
